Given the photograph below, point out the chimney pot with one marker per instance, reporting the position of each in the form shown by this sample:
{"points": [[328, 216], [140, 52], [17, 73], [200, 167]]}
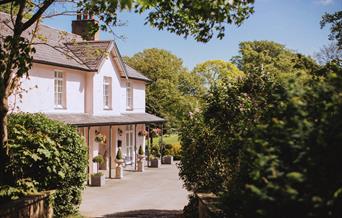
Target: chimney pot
{"points": [[83, 25]]}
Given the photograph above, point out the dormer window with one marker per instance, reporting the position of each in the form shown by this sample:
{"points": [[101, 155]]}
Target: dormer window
{"points": [[107, 93], [59, 87], [129, 94]]}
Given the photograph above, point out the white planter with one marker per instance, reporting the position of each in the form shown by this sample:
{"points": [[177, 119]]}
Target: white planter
{"points": [[141, 165], [119, 172]]}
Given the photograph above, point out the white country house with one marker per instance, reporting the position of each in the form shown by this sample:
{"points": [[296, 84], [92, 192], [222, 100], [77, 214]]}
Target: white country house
{"points": [[85, 83]]}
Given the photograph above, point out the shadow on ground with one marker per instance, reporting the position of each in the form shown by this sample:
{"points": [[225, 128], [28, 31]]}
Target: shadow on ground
{"points": [[148, 214]]}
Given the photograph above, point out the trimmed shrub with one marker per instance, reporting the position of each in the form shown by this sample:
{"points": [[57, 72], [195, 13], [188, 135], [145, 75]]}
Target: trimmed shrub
{"points": [[141, 151], [119, 154], [98, 159], [52, 155]]}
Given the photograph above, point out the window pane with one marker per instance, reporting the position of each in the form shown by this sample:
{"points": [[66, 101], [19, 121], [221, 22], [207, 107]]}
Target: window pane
{"points": [[58, 88]]}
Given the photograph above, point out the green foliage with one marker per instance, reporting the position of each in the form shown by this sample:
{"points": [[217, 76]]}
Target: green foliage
{"points": [[274, 58], [98, 159], [140, 151], [21, 188], [213, 70], [173, 91], [155, 150], [98, 174], [100, 138], [46, 155], [269, 148], [119, 154], [191, 209], [335, 20], [201, 19]]}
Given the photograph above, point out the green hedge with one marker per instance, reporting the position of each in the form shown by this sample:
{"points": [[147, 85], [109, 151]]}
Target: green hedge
{"points": [[52, 155]]}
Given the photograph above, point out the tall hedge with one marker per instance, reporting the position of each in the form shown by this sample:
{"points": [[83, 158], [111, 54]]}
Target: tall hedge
{"points": [[52, 155], [269, 148]]}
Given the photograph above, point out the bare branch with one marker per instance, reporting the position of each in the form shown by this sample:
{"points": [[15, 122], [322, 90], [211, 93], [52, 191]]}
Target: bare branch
{"points": [[65, 13]]}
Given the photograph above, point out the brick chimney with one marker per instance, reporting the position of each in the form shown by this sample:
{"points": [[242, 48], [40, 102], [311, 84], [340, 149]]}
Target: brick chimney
{"points": [[82, 25]]}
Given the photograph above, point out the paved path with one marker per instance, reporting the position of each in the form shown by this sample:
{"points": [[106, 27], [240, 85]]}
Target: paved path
{"points": [[157, 192]]}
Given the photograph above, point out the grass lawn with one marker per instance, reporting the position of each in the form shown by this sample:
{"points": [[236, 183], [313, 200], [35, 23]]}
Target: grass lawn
{"points": [[168, 139]]}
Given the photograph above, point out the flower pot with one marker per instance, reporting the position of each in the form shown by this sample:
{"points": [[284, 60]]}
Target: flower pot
{"points": [[167, 159], [155, 163], [98, 180]]}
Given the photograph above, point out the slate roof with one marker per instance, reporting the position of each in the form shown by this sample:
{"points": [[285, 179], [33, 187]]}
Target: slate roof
{"points": [[133, 74], [90, 52], [60, 48], [81, 120]]}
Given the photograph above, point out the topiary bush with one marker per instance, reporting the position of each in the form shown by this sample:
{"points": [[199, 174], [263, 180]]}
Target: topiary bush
{"points": [[51, 154], [119, 154], [98, 159], [140, 151]]}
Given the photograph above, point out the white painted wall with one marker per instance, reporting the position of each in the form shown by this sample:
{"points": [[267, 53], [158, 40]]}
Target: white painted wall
{"points": [[119, 97], [84, 91], [40, 91]]}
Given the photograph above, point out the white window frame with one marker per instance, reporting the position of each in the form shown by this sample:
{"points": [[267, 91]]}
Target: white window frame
{"points": [[129, 94], [107, 93], [59, 89]]}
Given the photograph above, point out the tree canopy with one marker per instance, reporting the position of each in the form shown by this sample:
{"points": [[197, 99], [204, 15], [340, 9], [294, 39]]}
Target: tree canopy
{"points": [[212, 70], [173, 91], [273, 58], [335, 20]]}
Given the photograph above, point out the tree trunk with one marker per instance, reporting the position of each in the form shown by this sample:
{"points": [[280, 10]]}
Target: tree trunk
{"points": [[3, 136]]}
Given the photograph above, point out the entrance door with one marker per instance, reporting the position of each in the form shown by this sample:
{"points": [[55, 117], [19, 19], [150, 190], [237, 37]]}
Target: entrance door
{"points": [[129, 144]]}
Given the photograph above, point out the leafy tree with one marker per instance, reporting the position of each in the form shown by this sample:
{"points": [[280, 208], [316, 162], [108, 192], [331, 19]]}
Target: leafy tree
{"points": [[213, 70], [273, 58], [201, 19], [268, 148], [172, 92], [335, 20]]}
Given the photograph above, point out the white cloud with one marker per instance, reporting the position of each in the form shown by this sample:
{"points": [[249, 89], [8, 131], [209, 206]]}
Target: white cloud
{"points": [[325, 2]]}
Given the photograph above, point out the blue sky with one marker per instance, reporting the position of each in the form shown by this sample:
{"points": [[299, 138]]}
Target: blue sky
{"points": [[294, 23]]}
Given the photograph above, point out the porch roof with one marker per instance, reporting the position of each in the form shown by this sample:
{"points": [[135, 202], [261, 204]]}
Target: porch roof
{"points": [[84, 120]]}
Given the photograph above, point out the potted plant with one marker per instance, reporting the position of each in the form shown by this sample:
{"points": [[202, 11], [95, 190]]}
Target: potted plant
{"points": [[120, 132], [119, 161], [98, 178], [142, 133], [167, 157], [99, 138], [140, 158]]}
